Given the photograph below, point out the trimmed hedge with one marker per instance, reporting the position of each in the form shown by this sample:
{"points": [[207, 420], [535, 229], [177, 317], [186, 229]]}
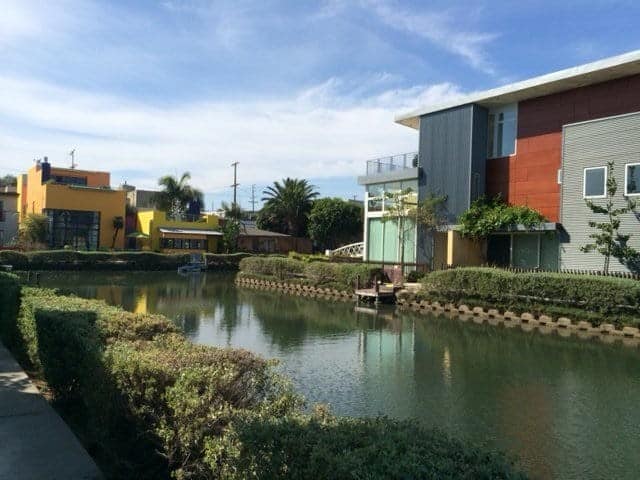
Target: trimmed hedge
{"points": [[598, 299], [9, 302], [341, 276], [75, 260], [147, 403]]}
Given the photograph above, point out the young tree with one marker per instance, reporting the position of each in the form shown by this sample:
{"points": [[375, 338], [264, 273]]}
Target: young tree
{"points": [[607, 239], [232, 210], [8, 181], [408, 213], [334, 222], [230, 234], [118, 224], [33, 229]]}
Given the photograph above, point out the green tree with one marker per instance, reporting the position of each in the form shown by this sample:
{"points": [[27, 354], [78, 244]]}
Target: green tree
{"points": [[404, 209], [334, 222], [34, 228], [287, 206], [118, 224], [230, 234], [232, 210], [176, 195], [607, 239], [8, 181]]}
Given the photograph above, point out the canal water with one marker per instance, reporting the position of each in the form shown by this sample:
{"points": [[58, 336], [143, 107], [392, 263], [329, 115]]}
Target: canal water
{"points": [[566, 408]]}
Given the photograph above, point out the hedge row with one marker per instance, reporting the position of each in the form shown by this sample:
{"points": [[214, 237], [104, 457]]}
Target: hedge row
{"points": [[341, 276], [74, 260], [147, 403], [597, 299]]}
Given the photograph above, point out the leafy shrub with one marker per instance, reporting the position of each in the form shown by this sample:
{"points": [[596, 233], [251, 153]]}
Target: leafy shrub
{"points": [[104, 260], [322, 446], [9, 302], [341, 276], [604, 298], [415, 276], [488, 215]]}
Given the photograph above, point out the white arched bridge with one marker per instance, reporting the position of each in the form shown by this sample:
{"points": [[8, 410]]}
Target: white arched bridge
{"points": [[353, 250]]}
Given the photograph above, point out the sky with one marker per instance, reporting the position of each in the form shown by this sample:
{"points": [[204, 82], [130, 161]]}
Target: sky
{"points": [[304, 89]]}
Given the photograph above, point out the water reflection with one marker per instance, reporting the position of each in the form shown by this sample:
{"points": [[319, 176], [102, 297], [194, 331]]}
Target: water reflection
{"points": [[567, 408]]}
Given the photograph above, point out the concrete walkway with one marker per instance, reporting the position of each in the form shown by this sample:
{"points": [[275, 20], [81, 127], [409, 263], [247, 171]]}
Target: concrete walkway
{"points": [[34, 441]]}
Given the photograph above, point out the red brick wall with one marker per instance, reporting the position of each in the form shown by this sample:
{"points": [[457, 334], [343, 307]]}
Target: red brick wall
{"points": [[529, 177]]}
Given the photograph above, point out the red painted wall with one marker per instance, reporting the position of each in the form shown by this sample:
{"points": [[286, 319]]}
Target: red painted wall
{"points": [[529, 177]]}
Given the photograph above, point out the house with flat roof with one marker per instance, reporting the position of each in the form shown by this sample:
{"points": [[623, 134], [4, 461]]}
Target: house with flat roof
{"points": [[544, 142], [81, 207]]}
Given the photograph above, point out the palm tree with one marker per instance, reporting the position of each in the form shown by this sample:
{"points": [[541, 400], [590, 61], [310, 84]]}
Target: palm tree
{"points": [[232, 210], [289, 204], [177, 195]]}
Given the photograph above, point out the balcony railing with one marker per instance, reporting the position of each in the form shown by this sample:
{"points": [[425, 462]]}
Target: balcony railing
{"points": [[393, 163]]}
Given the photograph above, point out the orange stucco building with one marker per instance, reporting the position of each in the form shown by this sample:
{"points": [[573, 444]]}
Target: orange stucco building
{"points": [[80, 206]]}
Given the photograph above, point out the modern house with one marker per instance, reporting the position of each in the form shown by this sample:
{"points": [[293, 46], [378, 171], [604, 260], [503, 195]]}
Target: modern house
{"points": [[543, 142], [8, 215], [81, 207]]}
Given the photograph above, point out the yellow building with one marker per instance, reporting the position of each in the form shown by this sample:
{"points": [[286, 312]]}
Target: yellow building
{"points": [[165, 235], [81, 207]]}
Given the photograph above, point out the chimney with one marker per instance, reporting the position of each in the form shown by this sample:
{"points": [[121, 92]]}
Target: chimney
{"points": [[46, 170]]}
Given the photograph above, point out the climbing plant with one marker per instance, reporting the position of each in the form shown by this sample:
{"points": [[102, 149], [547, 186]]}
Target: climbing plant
{"points": [[489, 215]]}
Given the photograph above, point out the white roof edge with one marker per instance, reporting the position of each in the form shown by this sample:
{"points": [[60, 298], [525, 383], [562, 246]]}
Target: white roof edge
{"points": [[601, 70]]}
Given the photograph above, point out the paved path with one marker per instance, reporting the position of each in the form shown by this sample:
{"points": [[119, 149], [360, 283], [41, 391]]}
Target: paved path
{"points": [[34, 441]]}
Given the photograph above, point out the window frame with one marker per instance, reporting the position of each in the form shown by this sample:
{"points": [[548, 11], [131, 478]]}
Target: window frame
{"points": [[496, 130], [626, 184], [604, 185]]}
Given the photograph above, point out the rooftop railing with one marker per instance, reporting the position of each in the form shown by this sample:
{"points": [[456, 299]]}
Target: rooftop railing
{"points": [[392, 163]]}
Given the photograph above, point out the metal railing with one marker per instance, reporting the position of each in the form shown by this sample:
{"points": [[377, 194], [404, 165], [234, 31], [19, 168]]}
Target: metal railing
{"points": [[353, 250], [392, 163]]}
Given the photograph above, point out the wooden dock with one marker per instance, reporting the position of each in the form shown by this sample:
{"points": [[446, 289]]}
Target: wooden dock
{"points": [[378, 294]]}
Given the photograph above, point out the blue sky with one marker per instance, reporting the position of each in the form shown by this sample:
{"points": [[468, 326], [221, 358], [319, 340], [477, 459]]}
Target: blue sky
{"points": [[297, 88]]}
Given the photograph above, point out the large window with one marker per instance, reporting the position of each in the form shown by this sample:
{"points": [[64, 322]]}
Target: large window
{"points": [[632, 179], [78, 229], [2, 219], [595, 180], [183, 243], [69, 180], [502, 127]]}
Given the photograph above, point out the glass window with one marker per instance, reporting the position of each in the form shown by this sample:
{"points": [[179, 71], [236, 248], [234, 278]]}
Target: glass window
{"points": [[501, 131], [632, 179], [2, 211], [78, 229], [595, 182]]}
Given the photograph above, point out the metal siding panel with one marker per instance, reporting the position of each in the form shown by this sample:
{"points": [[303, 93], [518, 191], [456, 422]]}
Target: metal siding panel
{"points": [[445, 146], [594, 144]]}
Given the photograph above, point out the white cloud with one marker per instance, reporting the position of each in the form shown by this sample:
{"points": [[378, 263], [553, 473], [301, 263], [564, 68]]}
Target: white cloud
{"points": [[319, 132], [441, 28]]}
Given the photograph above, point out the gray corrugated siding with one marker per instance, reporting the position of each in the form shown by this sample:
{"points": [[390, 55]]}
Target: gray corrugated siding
{"points": [[453, 152], [445, 155], [593, 144]]}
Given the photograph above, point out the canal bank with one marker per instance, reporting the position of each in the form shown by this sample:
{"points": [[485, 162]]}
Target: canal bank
{"points": [[566, 408]]}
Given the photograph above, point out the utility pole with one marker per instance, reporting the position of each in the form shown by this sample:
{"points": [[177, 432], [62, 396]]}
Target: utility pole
{"points": [[253, 198], [235, 181]]}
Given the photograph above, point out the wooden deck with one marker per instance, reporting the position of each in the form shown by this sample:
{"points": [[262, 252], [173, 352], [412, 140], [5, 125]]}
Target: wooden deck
{"points": [[380, 294]]}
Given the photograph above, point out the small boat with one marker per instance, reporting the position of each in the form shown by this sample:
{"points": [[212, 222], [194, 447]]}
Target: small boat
{"points": [[196, 265]]}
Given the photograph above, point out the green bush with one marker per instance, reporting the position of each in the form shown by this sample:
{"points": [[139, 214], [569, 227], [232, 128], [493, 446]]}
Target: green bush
{"points": [[9, 304], [415, 276], [341, 276], [610, 299], [100, 260], [322, 446]]}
